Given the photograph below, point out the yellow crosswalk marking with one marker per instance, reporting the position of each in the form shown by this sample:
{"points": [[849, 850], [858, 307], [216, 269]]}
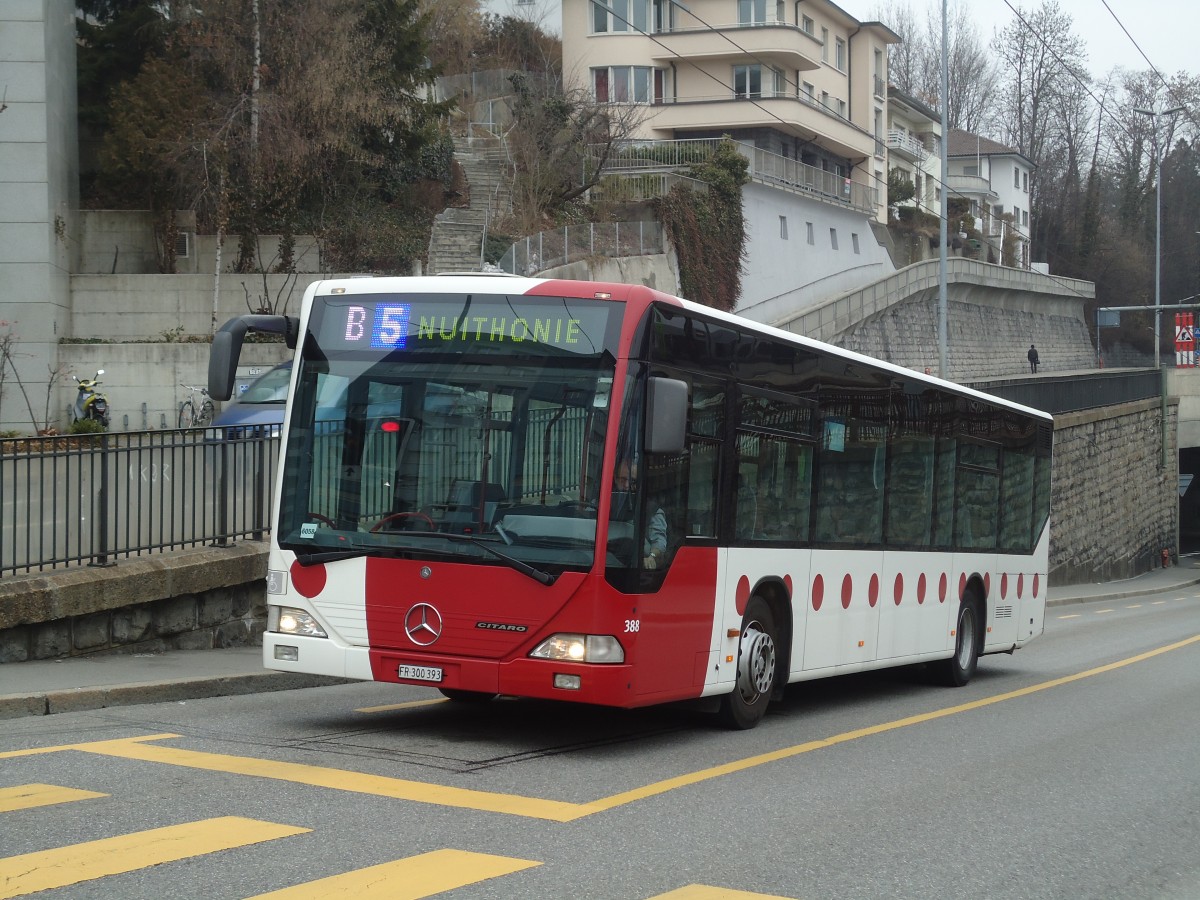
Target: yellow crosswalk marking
{"points": [[407, 879], [47, 869], [704, 892], [27, 796]]}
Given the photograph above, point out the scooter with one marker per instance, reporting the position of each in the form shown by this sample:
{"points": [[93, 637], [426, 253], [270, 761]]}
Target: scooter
{"points": [[89, 402]]}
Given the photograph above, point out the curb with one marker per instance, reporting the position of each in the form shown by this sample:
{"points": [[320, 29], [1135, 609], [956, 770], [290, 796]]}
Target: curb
{"points": [[13, 706], [1122, 595]]}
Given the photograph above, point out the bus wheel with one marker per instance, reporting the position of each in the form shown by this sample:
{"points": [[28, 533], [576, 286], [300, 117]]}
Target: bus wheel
{"points": [[745, 706], [467, 696], [958, 669]]}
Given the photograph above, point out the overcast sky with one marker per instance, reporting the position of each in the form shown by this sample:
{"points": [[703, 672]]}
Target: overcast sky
{"points": [[1164, 29]]}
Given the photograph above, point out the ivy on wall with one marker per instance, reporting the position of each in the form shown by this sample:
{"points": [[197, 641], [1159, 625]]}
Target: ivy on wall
{"points": [[708, 229]]}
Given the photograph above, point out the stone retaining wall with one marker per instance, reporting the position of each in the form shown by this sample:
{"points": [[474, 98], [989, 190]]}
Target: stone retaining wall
{"points": [[186, 600], [1114, 508]]}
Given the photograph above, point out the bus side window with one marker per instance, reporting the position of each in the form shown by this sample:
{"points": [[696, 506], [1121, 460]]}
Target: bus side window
{"points": [[910, 493]]}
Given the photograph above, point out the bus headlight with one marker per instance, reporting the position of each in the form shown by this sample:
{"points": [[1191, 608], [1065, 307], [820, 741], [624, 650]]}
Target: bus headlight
{"points": [[287, 620], [589, 648]]}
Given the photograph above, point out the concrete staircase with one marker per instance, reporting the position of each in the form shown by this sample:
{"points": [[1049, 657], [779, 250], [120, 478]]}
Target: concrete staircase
{"points": [[457, 237]]}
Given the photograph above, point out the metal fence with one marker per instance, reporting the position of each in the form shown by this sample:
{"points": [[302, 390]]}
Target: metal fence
{"points": [[559, 246], [1077, 391], [95, 499]]}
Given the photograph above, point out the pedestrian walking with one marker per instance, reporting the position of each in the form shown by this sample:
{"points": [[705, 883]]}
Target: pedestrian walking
{"points": [[1033, 358]]}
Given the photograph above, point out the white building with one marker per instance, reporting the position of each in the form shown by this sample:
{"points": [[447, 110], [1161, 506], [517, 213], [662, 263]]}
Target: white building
{"points": [[914, 136], [995, 179]]}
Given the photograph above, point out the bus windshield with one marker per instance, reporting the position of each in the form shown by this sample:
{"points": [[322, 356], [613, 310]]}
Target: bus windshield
{"points": [[450, 426]]}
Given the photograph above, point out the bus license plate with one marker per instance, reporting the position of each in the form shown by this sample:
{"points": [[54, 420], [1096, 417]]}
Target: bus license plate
{"points": [[420, 673]]}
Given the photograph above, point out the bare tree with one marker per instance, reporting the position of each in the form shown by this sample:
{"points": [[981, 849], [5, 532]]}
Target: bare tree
{"points": [[560, 143]]}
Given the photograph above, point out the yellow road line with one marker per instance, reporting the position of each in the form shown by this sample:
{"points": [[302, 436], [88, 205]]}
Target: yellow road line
{"points": [[28, 796], [412, 704], [532, 807], [38, 751], [47, 869], [407, 879], [1071, 616], [704, 892], [339, 779]]}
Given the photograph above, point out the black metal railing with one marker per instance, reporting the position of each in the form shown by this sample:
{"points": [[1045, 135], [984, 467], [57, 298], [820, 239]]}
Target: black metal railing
{"points": [[1076, 391], [94, 499]]}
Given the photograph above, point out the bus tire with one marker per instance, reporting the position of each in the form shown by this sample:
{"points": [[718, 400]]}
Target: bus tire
{"points": [[958, 669], [460, 696], [757, 662]]}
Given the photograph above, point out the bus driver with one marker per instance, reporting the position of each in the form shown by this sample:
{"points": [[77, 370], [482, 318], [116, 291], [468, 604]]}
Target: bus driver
{"points": [[654, 547]]}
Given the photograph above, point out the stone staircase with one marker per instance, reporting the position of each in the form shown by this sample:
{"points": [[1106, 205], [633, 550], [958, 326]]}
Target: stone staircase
{"points": [[457, 236]]}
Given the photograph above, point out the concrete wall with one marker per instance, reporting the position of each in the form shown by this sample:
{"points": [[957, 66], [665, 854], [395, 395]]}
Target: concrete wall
{"points": [[1114, 507], [38, 180], [788, 273], [142, 381], [122, 242]]}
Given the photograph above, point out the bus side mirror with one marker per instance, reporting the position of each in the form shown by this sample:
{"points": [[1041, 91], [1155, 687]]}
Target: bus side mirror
{"points": [[666, 415], [227, 347]]}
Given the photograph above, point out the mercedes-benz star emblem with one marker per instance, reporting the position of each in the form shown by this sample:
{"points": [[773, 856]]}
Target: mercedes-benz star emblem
{"points": [[423, 624]]}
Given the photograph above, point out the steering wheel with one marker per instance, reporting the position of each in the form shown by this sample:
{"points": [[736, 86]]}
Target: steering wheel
{"points": [[402, 515], [325, 520]]}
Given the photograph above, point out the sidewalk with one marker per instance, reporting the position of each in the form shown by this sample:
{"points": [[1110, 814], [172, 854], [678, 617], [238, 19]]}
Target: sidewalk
{"points": [[44, 687]]}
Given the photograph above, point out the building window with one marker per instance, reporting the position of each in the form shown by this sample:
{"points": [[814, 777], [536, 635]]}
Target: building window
{"points": [[970, 170], [833, 238], [839, 55], [806, 24], [1016, 177], [752, 12], [807, 92], [626, 15], [783, 228], [854, 241], [825, 99], [623, 84], [1025, 182], [748, 81], [1025, 218], [811, 237], [841, 108], [824, 45]]}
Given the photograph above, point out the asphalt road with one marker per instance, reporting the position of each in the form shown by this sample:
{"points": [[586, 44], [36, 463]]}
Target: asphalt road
{"points": [[1068, 770]]}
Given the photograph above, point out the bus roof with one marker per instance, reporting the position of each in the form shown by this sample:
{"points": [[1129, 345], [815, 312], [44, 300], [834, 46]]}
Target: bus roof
{"points": [[463, 282]]}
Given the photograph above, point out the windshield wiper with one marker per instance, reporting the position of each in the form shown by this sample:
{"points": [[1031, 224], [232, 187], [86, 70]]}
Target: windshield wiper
{"points": [[324, 556], [539, 575]]}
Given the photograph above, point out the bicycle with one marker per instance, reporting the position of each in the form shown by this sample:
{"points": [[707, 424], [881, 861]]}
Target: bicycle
{"points": [[191, 415]]}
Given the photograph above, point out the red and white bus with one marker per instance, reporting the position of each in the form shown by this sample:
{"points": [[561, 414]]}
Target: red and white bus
{"points": [[496, 485]]}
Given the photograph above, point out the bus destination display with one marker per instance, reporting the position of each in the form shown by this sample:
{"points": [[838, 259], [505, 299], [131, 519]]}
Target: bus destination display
{"points": [[449, 323]]}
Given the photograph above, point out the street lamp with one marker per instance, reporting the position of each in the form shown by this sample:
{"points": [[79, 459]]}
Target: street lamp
{"points": [[1157, 224]]}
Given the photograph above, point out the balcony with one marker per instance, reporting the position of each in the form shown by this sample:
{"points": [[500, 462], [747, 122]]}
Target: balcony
{"points": [[774, 43], [782, 111], [636, 159], [906, 145], [974, 185]]}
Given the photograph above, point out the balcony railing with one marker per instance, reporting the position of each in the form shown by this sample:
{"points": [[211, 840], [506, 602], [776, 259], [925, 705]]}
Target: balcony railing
{"points": [[765, 167], [902, 142], [974, 184]]}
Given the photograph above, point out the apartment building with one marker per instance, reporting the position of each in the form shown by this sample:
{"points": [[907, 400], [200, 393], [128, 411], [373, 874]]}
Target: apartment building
{"points": [[804, 81], [995, 178], [914, 135]]}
